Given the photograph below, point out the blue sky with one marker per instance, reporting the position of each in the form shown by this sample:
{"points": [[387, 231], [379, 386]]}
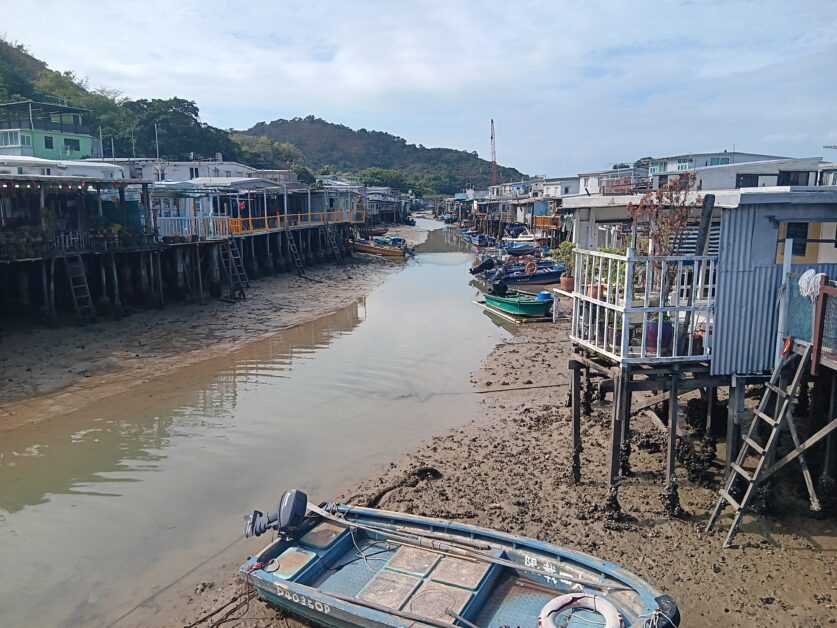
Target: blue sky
{"points": [[572, 86]]}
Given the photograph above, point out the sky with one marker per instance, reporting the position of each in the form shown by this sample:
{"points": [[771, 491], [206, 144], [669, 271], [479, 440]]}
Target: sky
{"points": [[572, 86]]}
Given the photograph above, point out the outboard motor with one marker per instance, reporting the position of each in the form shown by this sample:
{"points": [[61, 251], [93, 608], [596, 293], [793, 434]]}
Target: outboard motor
{"points": [[287, 517], [487, 264]]}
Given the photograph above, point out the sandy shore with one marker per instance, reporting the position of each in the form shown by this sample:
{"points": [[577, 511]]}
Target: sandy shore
{"points": [[509, 469], [50, 372]]}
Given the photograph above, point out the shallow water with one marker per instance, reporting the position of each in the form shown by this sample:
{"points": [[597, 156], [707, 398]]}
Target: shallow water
{"points": [[102, 509]]}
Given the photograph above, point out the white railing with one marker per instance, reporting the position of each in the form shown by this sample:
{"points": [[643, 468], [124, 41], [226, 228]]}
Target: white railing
{"points": [[203, 227], [644, 309]]}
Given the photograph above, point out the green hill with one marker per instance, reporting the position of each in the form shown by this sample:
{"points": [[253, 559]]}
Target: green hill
{"points": [[337, 148], [311, 144]]}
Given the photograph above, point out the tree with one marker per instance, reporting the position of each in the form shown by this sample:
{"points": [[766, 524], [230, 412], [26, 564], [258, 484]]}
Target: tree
{"points": [[304, 175]]}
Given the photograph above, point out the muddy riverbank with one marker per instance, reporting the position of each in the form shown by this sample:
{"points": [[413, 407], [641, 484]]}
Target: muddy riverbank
{"points": [[509, 469], [50, 372]]}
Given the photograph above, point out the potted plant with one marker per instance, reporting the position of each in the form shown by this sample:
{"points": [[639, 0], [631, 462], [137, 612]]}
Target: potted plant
{"points": [[654, 331], [565, 254]]}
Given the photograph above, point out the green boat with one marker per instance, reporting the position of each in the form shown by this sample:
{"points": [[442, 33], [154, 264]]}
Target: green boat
{"points": [[520, 303]]}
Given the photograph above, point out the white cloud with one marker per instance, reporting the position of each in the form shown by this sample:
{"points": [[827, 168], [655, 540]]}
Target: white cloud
{"points": [[572, 86]]}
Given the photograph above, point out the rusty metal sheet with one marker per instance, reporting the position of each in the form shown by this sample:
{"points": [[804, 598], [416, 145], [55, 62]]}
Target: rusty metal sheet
{"points": [[433, 600], [289, 562], [459, 572], [412, 560], [323, 535], [389, 588]]}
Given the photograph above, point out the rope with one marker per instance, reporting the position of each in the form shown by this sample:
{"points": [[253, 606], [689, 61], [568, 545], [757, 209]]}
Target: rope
{"points": [[809, 284]]}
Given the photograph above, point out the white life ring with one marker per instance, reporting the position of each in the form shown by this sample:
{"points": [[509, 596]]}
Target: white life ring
{"points": [[594, 603]]}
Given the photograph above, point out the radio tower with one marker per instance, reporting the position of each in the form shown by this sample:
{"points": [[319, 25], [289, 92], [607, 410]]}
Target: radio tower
{"points": [[493, 156]]}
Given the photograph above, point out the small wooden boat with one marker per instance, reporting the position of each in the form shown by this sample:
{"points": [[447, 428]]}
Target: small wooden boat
{"points": [[339, 565], [365, 246], [377, 231], [519, 303]]}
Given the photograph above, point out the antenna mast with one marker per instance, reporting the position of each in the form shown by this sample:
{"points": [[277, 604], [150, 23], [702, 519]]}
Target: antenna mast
{"points": [[493, 156]]}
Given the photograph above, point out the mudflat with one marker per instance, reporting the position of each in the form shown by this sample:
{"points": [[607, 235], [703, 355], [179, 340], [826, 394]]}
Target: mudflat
{"points": [[508, 469]]}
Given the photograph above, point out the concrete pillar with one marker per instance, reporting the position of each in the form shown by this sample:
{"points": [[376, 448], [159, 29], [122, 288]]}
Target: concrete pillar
{"points": [[266, 258]]}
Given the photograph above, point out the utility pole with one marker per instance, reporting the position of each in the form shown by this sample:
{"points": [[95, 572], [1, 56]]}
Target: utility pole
{"points": [[493, 156]]}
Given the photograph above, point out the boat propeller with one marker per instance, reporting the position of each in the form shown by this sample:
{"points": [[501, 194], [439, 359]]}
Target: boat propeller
{"points": [[287, 517]]}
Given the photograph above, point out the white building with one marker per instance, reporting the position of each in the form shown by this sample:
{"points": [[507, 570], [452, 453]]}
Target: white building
{"points": [[558, 187], [758, 174], [664, 167], [164, 170], [621, 179], [23, 165]]}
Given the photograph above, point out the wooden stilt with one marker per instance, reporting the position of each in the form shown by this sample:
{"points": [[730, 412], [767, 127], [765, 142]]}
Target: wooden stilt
{"points": [[828, 460], [198, 278], [52, 309], [117, 303], [734, 412], [672, 427], [615, 432], [159, 279], [575, 470]]}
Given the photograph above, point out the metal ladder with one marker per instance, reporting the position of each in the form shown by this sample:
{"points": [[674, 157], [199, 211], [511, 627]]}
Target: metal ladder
{"points": [[79, 288], [763, 453], [234, 268], [300, 267], [332, 242]]}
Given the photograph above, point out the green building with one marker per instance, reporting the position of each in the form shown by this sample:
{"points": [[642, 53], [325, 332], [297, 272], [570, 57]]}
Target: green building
{"points": [[46, 130]]}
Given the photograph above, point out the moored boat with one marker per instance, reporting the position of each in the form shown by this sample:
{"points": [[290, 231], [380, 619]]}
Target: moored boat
{"points": [[366, 246], [520, 303], [340, 565], [377, 231]]}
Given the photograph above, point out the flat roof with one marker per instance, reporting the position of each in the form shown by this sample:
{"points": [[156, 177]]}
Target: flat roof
{"points": [[723, 198], [5, 179], [46, 105]]}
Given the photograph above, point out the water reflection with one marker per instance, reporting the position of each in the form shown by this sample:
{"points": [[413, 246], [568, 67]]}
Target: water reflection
{"points": [[97, 446]]}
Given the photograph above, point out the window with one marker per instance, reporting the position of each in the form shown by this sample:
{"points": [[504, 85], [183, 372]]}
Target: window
{"points": [[9, 138], [792, 177], [683, 164], [72, 145], [659, 166], [48, 142], [46, 171], [799, 232], [746, 181], [25, 140], [586, 180], [566, 190], [718, 161], [228, 173], [193, 173]]}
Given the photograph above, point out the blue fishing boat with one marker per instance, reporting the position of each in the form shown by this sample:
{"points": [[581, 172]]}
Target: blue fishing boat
{"points": [[540, 276], [339, 565], [519, 248]]}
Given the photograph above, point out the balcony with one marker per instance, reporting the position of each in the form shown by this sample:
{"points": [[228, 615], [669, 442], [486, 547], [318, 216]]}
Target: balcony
{"points": [[624, 185], [220, 227], [634, 310]]}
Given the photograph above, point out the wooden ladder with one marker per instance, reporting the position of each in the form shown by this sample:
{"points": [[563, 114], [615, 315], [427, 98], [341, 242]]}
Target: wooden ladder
{"points": [[234, 268], [332, 242], [300, 267], [763, 453], [79, 288]]}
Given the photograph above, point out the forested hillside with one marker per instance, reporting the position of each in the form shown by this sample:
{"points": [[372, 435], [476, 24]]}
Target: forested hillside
{"points": [[378, 156]]}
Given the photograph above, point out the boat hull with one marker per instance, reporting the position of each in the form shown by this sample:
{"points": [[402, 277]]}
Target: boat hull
{"points": [[379, 250], [519, 305], [324, 580], [535, 279]]}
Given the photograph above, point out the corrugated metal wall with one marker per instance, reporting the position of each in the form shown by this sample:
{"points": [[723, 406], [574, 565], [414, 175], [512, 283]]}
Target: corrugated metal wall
{"points": [[747, 285]]}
